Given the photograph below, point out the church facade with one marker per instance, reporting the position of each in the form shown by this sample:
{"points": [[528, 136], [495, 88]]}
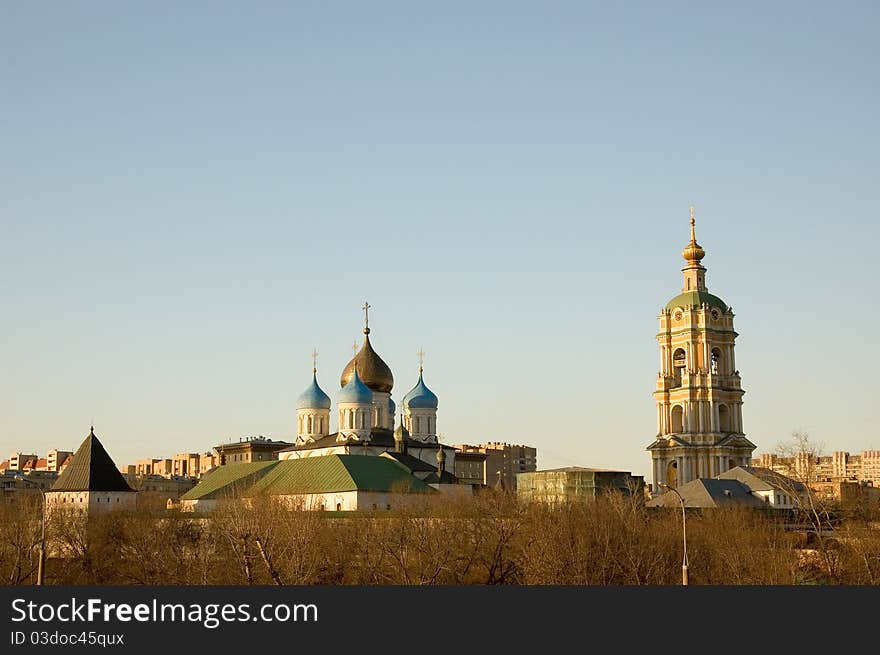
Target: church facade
{"points": [[366, 415], [698, 391]]}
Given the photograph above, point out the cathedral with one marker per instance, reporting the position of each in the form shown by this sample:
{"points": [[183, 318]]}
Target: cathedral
{"points": [[366, 415], [699, 391]]}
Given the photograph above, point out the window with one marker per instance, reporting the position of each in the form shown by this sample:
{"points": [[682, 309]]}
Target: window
{"points": [[724, 418], [679, 361], [338, 507], [677, 419], [716, 361]]}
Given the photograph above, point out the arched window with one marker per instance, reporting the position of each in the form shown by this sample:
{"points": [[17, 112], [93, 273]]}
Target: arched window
{"points": [[677, 419], [418, 423], [338, 507], [310, 424], [351, 418], [321, 425], [723, 418], [679, 361], [716, 361]]}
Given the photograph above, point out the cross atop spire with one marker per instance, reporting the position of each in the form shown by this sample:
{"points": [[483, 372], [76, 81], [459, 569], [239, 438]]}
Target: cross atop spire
{"points": [[366, 309], [421, 356], [315, 360]]}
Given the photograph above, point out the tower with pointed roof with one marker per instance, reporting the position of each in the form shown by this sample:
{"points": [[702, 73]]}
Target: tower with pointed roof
{"points": [[312, 410], [698, 391], [91, 482]]}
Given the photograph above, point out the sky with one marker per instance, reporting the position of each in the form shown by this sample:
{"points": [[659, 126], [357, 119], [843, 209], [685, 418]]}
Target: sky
{"points": [[193, 196]]}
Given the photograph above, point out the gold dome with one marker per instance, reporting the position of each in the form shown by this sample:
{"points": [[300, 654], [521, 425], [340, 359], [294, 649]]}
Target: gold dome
{"points": [[371, 369], [693, 252]]}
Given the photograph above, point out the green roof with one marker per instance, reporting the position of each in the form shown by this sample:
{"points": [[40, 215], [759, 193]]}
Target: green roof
{"points": [[696, 299], [228, 480], [338, 473], [321, 474]]}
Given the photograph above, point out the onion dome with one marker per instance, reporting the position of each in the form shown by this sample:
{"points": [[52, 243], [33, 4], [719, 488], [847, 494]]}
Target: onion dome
{"points": [[420, 396], [313, 397], [693, 252], [373, 371], [356, 391]]}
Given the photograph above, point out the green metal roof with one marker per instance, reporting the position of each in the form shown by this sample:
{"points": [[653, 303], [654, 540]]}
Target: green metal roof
{"points": [[338, 473], [696, 299], [228, 480], [321, 474]]}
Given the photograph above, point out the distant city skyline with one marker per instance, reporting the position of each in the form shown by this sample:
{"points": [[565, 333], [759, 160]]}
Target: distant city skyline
{"points": [[192, 202]]}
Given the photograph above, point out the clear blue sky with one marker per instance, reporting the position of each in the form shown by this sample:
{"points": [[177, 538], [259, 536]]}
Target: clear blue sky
{"points": [[195, 195]]}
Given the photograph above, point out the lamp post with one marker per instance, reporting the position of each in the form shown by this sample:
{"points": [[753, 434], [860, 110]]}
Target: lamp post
{"points": [[41, 564], [684, 537]]}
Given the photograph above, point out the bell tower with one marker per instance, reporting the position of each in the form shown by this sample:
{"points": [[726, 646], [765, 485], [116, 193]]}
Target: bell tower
{"points": [[699, 391]]}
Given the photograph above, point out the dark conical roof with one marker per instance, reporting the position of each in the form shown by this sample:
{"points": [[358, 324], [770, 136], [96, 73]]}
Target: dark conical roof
{"points": [[91, 470]]}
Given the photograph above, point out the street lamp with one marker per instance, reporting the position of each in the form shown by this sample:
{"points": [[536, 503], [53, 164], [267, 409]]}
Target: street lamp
{"points": [[684, 536], [41, 565]]}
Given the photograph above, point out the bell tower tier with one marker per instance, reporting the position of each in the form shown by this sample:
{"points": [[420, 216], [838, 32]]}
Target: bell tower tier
{"points": [[698, 391]]}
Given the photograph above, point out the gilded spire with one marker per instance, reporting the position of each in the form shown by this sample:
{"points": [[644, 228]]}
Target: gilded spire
{"points": [[421, 356], [315, 361], [693, 252]]}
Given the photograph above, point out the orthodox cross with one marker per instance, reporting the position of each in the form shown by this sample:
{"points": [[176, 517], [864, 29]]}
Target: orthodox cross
{"points": [[314, 361], [421, 355], [366, 309]]}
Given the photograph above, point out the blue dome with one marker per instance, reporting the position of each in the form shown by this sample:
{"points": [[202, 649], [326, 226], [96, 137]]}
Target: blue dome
{"points": [[356, 391], [313, 397], [420, 397], [392, 407]]}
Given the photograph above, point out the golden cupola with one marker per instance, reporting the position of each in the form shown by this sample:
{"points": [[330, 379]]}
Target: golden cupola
{"points": [[372, 370], [693, 252]]}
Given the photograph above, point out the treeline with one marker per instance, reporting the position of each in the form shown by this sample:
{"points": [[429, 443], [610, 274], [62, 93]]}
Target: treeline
{"points": [[490, 539]]}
